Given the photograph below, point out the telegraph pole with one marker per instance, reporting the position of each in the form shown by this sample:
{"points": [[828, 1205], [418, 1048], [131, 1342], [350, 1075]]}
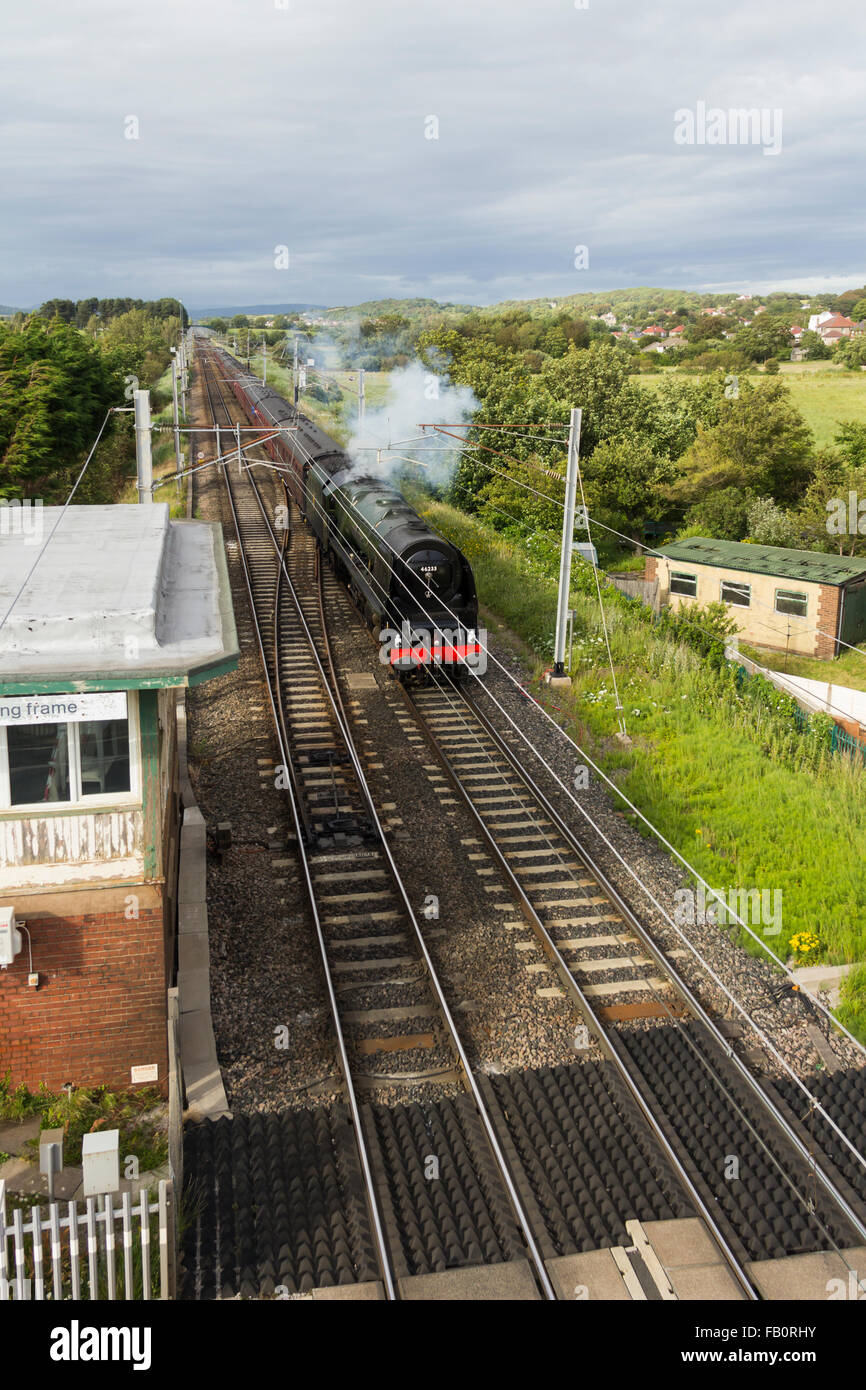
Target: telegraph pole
{"points": [[143, 456], [264, 361], [295, 374], [362, 398], [558, 675]]}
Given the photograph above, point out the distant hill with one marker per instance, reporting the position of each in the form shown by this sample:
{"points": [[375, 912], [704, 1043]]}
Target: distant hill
{"points": [[409, 308], [226, 311], [6, 310]]}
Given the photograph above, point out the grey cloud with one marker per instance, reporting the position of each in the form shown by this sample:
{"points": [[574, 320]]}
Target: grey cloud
{"points": [[306, 127]]}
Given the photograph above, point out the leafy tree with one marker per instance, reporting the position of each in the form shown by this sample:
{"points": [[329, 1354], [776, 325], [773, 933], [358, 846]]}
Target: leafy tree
{"points": [[816, 350], [55, 388], [58, 308], [858, 310], [722, 513], [851, 437], [710, 326], [771, 366], [769, 524], [761, 443], [766, 336], [833, 479], [851, 352], [626, 476]]}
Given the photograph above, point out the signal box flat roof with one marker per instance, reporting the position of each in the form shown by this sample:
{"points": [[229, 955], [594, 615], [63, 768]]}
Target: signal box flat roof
{"points": [[121, 598]]}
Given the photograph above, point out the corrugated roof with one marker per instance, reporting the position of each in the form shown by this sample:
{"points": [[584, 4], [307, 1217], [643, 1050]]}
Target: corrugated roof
{"points": [[808, 565]]}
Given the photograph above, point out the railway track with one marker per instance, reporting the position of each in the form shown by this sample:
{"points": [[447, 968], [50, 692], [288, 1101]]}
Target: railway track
{"points": [[680, 1069], [379, 973], [387, 1001]]}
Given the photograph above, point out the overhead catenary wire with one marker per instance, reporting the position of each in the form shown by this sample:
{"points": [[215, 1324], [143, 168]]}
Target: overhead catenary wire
{"points": [[458, 710], [766, 1042], [812, 628], [563, 734]]}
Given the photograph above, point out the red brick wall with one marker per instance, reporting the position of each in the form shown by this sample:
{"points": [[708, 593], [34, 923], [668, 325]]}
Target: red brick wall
{"points": [[650, 568], [827, 621], [100, 1008]]}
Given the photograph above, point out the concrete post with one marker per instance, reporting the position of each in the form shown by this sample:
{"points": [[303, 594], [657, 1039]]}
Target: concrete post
{"points": [[143, 455], [567, 542]]}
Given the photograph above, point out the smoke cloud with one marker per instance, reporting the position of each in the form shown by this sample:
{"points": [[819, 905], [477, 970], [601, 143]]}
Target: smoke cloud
{"points": [[391, 434]]}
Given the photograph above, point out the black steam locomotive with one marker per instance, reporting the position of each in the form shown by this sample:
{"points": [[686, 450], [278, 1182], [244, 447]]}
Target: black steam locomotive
{"points": [[415, 588]]}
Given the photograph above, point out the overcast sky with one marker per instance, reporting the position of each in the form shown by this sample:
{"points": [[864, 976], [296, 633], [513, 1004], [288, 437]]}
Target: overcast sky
{"points": [[261, 127]]}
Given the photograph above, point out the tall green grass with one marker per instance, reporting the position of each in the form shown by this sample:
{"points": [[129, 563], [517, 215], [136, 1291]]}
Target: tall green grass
{"points": [[748, 800]]}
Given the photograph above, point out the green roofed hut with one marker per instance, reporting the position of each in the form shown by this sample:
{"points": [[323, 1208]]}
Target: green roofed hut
{"points": [[799, 601]]}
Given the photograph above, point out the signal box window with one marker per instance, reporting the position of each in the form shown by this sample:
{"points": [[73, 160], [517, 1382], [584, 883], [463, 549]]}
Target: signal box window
{"points": [[38, 763]]}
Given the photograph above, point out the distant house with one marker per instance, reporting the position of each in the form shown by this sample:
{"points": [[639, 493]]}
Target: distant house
{"points": [[787, 600], [678, 331], [609, 319], [815, 320], [654, 330], [835, 327], [796, 332]]}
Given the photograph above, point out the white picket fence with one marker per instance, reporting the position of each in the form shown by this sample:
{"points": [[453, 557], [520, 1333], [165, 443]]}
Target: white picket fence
{"points": [[98, 1249]]}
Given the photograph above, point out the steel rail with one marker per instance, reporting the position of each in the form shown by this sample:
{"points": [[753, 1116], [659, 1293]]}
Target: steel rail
{"points": [[382, 1255], [577, 996], [465, 1066], [682, 988], [335, 699], [679, 985]]}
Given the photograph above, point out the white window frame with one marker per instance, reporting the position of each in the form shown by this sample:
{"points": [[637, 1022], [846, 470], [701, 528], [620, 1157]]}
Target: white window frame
{"points": [[735, 584], [96, 801]]}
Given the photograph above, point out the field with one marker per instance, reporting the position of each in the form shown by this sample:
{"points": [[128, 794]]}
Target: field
{"points": [[823, 393], [706, 773]]}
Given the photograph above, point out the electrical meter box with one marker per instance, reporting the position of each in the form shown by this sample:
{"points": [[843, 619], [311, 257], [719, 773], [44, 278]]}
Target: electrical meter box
{"points": [[10, 937], [100, 1159]]}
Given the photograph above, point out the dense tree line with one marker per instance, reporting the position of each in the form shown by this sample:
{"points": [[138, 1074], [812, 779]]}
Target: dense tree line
{"points": [[55, 389], [711, 457], [80, 311], [59, 376]]}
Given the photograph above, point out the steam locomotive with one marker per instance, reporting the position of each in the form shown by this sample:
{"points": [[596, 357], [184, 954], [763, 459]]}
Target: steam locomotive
{"points": [[415, 589]]}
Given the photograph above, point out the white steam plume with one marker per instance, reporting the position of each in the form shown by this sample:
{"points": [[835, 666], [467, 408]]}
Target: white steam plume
{"points": [[415, 396]]}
